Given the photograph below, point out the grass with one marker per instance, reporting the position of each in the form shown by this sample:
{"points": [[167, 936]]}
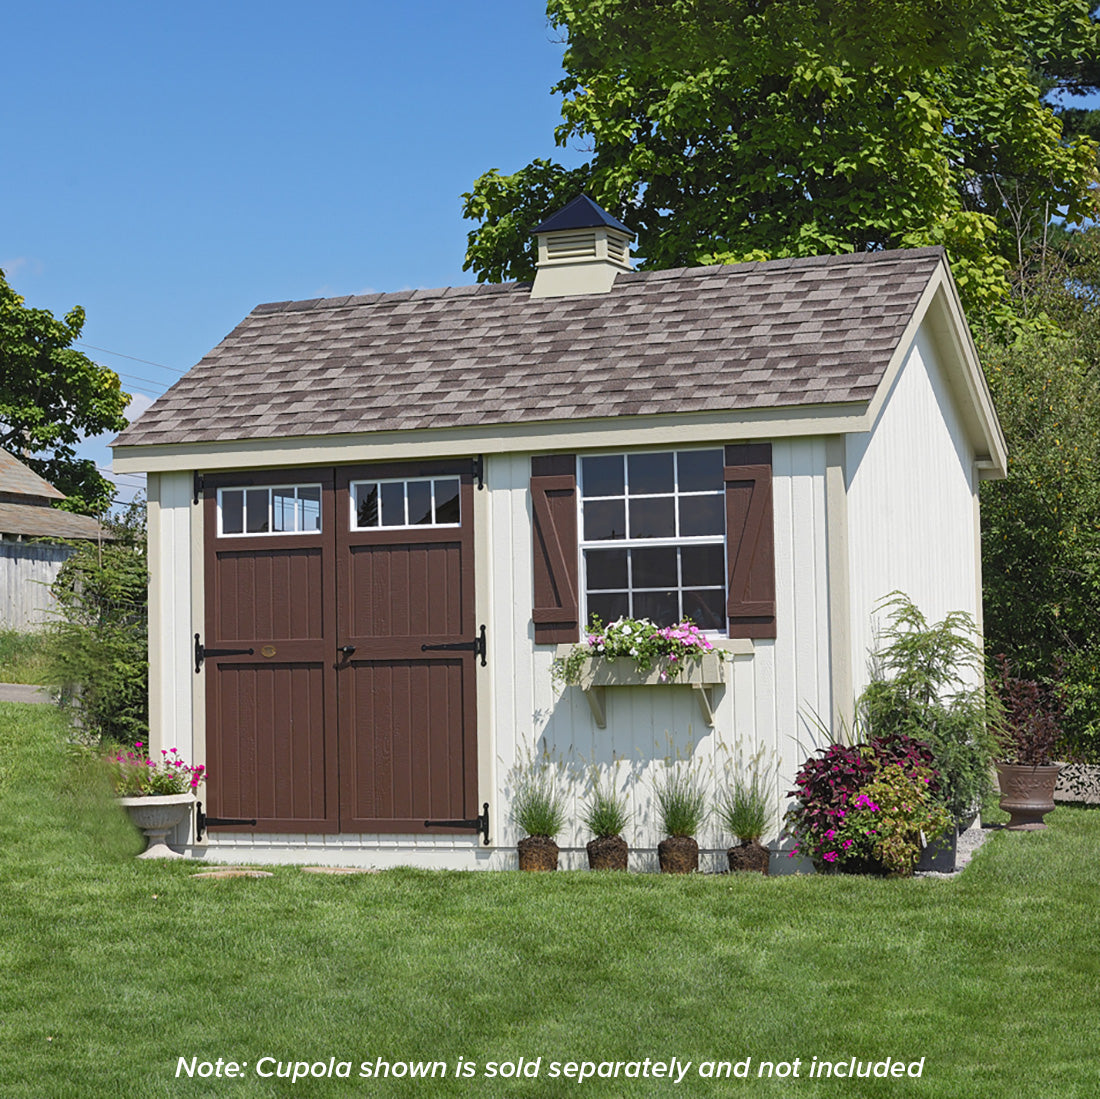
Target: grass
{"points": [[111, 968], [22, 657]]}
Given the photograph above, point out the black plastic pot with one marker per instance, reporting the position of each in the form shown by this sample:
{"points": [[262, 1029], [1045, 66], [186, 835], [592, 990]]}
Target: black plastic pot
{"points": [[939, 855]]}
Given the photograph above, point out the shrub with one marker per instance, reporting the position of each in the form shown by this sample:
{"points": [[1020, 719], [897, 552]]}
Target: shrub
{"points": [[97, 650], [1030, 718]]}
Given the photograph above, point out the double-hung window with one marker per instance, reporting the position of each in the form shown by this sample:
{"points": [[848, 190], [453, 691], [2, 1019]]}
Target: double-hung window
{"points": [[653, 537]]}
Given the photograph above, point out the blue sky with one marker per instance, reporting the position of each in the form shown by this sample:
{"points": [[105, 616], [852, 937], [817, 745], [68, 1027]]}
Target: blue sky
{"points": [[168, 167]]}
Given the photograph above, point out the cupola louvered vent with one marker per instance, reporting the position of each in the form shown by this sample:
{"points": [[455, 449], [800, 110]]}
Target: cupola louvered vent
{"points": [[581, 250]]}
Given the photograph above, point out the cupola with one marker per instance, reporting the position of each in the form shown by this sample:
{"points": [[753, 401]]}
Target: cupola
{"points": [[581, 250]]}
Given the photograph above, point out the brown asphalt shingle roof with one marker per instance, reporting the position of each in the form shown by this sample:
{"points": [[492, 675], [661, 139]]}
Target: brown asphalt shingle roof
{"points": [[755, 335]]}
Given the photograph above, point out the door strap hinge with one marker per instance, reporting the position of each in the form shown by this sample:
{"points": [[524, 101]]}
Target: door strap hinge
{"points": [[202, 820], [199, 485], [477, 646], [479, 470], [478, 824], [201, 653]]}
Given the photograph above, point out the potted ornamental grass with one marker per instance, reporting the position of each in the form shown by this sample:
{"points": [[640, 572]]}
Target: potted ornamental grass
{"points": [[538, 809], [606, 815], [681, 809], [157, 794], [927, 682], [1030, 726], [744, 809]]}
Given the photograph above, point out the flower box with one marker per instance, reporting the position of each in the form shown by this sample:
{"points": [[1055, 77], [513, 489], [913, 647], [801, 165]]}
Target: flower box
{"points": [[702, 673]]}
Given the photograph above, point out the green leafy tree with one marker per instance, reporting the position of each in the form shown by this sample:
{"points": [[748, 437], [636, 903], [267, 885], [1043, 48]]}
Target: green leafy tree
{"points": [[723, 130], [1041, 526], [97, 649], [51, 395]]}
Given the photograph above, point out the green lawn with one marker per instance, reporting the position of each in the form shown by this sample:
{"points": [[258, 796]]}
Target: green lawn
{"points": [[112, 969], [22, 657]]}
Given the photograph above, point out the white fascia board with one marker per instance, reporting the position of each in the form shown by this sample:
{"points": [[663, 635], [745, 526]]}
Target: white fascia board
{"points": [[614, 432], [940, 310]]}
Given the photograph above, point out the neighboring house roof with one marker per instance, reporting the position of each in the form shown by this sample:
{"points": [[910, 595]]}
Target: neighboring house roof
{"points": [[25, 506], [17, 479]]}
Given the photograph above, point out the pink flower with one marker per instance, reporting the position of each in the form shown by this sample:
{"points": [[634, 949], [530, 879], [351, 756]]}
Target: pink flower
{"points": [[829, 856]]}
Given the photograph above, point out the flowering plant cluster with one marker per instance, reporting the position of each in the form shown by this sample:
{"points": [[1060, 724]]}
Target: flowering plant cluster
{"points": [[136, 775], [877, 800], [889, 820], [640, 639]]}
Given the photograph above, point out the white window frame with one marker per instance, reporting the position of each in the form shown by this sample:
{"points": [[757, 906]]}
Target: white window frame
{"points": [[628, 543], [270, 490], [406, 481]]}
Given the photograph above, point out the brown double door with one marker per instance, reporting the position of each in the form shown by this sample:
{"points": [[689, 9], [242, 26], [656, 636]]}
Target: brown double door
{"points": [[346, 715]]}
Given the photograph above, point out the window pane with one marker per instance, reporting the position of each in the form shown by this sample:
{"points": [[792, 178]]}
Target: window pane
{"points": [[702, 515], [703, 565], [654, 568], [446, 501], [653, 518], [309, 508], [420, 502], [233, 511], [700, 470], [366, 505], [602, 476], [393, 504], [256, 510], [661, 607], [707, 609], [606, 569], [610, 606], [604, 519], [282, 509], [649, 473]]}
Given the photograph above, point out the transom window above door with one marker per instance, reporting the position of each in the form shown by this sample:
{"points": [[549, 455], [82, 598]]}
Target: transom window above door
{"points": [[281, 509], [653, 529], [424, 502]]}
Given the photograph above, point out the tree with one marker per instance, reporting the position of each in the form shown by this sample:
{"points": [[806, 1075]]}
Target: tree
{"points": [[723, 130], [51, 395], [1041, 525]]}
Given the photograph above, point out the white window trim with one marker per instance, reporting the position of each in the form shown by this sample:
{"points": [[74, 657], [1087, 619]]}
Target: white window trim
{"points": [[353, 514], [584, 544], [270, 490]]}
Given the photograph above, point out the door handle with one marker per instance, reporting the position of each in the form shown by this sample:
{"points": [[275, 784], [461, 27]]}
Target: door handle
{"points": [[347, 650]]}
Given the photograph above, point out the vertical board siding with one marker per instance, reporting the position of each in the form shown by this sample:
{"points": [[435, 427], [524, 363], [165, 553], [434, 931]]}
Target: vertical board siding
{"points": [[274, 595], [389, 590], [27, 569], [764, 702], [911, 505], [273, 768], [399, 704]]}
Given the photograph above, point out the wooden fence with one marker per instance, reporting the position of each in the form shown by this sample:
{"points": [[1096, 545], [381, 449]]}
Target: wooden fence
{"points": [[27, 569]]}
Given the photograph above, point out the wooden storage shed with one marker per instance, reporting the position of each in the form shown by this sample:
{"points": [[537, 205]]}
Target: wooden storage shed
{"points": [[375, 520]]}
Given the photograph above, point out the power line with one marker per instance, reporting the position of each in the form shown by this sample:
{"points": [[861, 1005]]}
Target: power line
{"points": [[132, 358]]}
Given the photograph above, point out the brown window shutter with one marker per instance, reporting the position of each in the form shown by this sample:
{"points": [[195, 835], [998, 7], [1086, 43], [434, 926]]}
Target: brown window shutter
{"points": [[554, 517], [750, 540]]}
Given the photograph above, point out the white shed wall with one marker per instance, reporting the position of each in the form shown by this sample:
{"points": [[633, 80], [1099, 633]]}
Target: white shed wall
{"points": [[766, 701], [912, 511]]}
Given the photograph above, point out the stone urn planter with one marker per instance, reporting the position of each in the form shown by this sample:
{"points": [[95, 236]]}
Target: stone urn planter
{"points": [[537, 853], [1027, 793], [607, 853], [156, 815], [678, 855], [749, 855]]}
